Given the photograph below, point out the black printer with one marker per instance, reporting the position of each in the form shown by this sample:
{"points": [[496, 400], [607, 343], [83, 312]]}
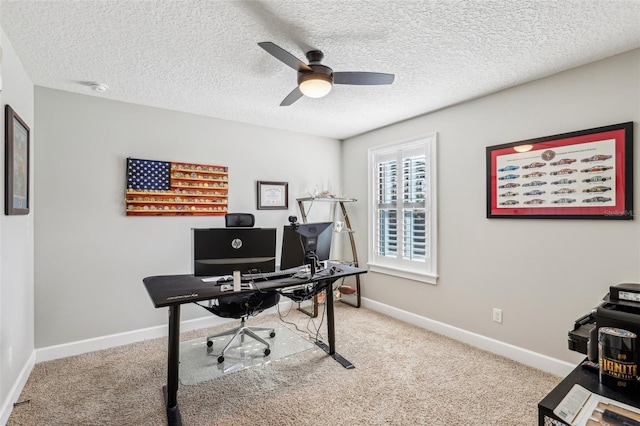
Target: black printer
{"points": [[620, 308]]}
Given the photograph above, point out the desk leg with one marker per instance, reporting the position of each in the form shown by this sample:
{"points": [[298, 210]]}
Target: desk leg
{"points": [[171, 388], [331, 331], [331, 327]]}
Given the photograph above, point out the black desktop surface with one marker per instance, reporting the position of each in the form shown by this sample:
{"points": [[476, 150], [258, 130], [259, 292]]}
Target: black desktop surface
{"points": [[168, 290]]}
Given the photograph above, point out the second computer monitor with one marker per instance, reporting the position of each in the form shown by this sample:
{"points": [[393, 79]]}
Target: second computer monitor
{"points": [[299, 240]]}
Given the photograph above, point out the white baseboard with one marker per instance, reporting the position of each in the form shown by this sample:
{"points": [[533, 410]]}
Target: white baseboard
{"points": [[105, 342], [533, 359], [524, 356], [16, 389]]}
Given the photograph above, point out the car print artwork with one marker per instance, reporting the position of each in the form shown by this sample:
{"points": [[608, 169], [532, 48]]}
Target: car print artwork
{"points": [[597, 200], [563, 172], [535, 183], [564, 201], [534, 192], [509, 177], [597, 189], [509, 168], [509, 185], [534, 165], [509, 203], [596, 158], [564, 191], [596, 169], [563, 182], [535, 201], [509, 194], [563, 161], [596, 179], [534, 174]]}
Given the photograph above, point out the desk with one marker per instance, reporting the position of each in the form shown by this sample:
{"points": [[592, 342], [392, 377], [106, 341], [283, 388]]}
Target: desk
{"points": [[172, 291], [589, 380]]}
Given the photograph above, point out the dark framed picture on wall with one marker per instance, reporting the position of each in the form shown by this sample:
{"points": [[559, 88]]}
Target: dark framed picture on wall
{"points": [[16, 180], [585, 174], [273, 195]]}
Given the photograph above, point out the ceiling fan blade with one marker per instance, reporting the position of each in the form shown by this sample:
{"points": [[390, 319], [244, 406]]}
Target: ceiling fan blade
{"points": [[362, 78], [284, 56], [291, 97]]}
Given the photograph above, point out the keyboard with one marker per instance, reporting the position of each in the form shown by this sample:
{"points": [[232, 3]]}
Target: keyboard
{"points": [[266, 276]]}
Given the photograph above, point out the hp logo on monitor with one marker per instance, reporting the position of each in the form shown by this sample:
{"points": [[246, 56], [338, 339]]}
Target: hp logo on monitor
{"points": [[236, 243]]}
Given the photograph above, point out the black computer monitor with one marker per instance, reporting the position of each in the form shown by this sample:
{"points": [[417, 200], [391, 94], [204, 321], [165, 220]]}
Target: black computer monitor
{"points": [[306, 243], [220, 251]]}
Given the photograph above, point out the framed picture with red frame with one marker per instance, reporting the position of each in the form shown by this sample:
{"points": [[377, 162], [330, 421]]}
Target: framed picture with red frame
{"points": [[578, 175]]}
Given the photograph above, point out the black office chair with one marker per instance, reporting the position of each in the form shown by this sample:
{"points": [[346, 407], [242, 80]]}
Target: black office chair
{"points": [[242, 306]]}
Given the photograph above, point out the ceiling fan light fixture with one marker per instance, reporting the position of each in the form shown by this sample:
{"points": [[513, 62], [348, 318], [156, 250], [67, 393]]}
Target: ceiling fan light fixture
{"points": [[315, 85], [316, 80]]}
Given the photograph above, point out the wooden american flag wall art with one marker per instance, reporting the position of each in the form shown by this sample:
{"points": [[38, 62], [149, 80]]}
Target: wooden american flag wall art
{"points": [[161, 188]]}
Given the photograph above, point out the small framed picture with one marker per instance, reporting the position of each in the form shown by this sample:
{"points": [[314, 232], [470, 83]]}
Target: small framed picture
{"points": [[273, 195], [16, 164]]}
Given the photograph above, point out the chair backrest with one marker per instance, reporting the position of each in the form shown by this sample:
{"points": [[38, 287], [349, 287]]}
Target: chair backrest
{"points": [[244, 304], [239, 220]]}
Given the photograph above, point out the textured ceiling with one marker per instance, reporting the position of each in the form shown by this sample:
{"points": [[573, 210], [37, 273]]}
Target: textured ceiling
{"points": [[202, 56]]}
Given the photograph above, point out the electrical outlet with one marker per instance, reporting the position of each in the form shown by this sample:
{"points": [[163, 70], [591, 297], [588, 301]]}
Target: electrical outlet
{"points": [[497, 315]]}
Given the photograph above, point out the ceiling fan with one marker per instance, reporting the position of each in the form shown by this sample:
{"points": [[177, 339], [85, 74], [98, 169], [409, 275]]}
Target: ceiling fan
{"points": [[316, 80]]}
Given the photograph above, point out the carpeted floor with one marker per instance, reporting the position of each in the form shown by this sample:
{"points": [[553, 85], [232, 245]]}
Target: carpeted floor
{"points": [[404, 375]]}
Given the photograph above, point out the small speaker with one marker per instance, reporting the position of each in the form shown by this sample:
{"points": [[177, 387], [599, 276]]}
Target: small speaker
{"points": [[239, 220]]}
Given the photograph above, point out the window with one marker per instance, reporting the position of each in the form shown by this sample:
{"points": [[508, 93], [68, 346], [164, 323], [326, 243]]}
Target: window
{"points": [[403, 214]]}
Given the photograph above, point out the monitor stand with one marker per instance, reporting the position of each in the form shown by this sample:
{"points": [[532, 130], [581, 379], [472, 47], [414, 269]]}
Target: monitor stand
{"points": [[311, 259]]}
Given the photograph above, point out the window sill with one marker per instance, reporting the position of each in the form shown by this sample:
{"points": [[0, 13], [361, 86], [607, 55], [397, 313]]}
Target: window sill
{"points": [[403, 273]]}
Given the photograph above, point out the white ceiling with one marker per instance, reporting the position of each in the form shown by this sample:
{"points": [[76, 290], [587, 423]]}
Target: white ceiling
{"points": [[202, 56]]}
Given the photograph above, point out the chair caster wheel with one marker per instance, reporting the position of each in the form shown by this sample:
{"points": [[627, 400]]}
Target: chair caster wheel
{"points": [[209, 343], [220, 359], [267, 351], [272, 334]]}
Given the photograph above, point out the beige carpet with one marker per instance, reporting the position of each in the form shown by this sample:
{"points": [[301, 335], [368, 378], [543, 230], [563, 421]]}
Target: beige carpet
{"points": [[404, 375]]}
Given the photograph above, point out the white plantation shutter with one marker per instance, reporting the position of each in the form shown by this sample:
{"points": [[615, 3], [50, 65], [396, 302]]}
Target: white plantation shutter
{"points": [[387, 184], [402, 238], [414, 193]]}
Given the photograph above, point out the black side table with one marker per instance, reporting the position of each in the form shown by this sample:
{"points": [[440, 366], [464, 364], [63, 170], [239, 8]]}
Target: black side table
{"points": [[589, 380]]}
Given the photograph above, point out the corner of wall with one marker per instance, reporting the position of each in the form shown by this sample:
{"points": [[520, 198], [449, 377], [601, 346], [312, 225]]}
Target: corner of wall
{"points": [[14, 393]]}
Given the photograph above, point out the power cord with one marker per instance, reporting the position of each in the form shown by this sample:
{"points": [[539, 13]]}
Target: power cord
{"points": [[312, 335], [315, 332]]}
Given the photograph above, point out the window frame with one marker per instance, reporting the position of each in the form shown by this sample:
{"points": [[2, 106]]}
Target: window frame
{"points": [[426, 271]]}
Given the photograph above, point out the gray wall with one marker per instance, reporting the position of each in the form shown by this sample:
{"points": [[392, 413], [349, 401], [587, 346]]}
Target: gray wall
{"points": [[16, 245], [90, 257], [543, 274]]}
